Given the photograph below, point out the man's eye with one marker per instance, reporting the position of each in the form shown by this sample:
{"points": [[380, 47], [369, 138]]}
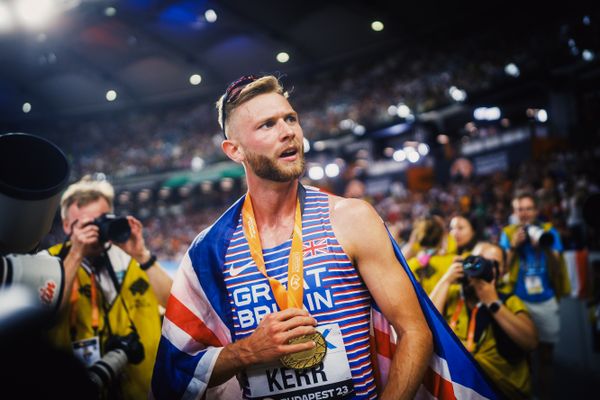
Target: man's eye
{"points": [[291, 118]]}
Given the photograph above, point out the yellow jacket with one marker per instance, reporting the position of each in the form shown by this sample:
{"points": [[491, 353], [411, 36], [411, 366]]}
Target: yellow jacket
{"points": [[135, 303]]}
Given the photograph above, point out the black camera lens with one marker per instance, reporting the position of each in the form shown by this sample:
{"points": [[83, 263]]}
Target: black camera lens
{"points": [[113, 228], [479, 267]]}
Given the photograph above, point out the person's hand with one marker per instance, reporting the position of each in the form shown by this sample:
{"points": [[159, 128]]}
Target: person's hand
{"points": [[518, 238], [455, 272], [485, 291], [135, 245], [269, 341], [84, 238]]}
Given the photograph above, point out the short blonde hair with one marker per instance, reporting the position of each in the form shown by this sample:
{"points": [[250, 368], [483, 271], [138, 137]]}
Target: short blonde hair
{"points": [[228, 102], [84, 192]]}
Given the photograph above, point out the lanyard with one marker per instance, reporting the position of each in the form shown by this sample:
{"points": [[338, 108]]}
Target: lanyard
{"points": [[94, 303], [292, 298], [471, 331]]}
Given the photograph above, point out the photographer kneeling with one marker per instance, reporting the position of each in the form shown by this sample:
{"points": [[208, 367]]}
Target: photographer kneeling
{"points": [[110, 316], [495, 328]]}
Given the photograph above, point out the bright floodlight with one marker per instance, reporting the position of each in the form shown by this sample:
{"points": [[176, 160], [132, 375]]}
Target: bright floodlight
{"points": [[359, 130], [377, 26], [512, 70], [392, 110], [6, 21], [35, 13], [111, 95], [316, 173], [399, 155], [210, 15], [195, 79], [423, 149], [541, 115], [587, 55], [110, 11], [283, 57], [413, 157], [457, 94], [487, 113], [332, 170], [26, 107], [197, 163], [403, 110]]}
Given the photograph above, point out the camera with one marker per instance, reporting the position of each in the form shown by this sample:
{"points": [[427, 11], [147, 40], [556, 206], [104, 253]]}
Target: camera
{"points": [[120, 350], [480, 268], [538, 236], [113, 228], [33, 173]]}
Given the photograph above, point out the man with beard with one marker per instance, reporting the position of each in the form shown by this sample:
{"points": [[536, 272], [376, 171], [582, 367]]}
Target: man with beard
{"points": [[496, 328], [274, 299]]}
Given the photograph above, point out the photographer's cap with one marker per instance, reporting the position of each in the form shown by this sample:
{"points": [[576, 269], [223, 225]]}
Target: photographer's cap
{"points": [[33, 173]]}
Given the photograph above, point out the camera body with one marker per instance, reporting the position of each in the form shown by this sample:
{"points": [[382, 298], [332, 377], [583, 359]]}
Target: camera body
{"points": [[120, 350], [538, 236], [112, 228], [480, 268]]}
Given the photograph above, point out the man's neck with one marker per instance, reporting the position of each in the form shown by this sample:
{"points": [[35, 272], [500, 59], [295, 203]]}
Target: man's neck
{"points": [[274, 205]]}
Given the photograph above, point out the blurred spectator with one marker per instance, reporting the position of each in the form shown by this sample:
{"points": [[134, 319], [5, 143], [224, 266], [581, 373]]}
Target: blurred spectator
{"points": [[538, 275], [495, 328]]}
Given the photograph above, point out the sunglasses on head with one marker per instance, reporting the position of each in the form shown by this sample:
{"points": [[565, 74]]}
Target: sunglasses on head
{"points": [[233, 92]]}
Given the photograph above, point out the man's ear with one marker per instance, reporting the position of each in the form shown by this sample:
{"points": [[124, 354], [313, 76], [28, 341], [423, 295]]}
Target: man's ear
{"points": [[232, 149], [66, 224]]}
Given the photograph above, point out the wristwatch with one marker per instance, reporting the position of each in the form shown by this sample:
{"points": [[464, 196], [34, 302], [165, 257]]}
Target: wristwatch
{"points": [[148, 263], [494, 306]]}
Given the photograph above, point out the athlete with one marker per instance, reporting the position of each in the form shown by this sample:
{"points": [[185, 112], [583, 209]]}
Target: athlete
{"points": [[274, 300]]}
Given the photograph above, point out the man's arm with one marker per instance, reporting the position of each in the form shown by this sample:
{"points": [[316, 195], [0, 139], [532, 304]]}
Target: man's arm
{"points": [[135, 246], [363, 236], [268, 342]]}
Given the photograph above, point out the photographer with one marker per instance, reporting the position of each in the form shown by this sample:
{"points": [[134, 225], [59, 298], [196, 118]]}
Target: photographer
{"points": [[494, 327], [538, 275], [116, 292]]}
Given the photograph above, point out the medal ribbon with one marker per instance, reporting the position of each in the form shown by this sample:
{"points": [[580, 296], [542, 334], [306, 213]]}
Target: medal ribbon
{"points": [[292, 298]]}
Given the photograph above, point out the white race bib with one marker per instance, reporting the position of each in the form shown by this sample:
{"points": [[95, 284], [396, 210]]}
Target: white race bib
{"points": [[87, 350], [329, 380]]}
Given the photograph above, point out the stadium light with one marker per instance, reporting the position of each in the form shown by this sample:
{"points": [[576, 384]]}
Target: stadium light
{"points": [[35, 13], [195, 79], [111, 95], [26, 108], [283, 57]]}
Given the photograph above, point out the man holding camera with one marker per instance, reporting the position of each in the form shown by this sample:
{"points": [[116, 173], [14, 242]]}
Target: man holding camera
{"points": [[537, 274], [494, 327], [113, 304]]}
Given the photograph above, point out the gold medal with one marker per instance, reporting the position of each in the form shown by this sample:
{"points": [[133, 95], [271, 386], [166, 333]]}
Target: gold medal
{"points": [[306, 358]]}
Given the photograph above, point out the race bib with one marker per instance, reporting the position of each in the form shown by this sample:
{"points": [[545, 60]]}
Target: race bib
{"points": [[87, 350], [533, 284], [329, 380]]}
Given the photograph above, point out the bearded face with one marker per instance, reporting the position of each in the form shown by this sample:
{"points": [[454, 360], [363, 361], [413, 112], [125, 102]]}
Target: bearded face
{"points": [[275, 169]]}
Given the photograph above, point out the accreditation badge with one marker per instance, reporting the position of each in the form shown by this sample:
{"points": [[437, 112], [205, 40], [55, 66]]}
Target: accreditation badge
{"points": [[87, 350], [330, 379], [533, 284]]}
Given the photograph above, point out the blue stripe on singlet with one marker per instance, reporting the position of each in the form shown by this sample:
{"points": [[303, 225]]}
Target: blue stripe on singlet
{"points": [[335, 292]]}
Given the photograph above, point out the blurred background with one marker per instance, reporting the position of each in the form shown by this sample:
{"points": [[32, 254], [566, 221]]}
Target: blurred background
{"points": [[416, 106]]}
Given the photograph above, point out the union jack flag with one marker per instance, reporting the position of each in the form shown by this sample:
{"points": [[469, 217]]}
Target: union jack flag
{"points": [[314, 247]]}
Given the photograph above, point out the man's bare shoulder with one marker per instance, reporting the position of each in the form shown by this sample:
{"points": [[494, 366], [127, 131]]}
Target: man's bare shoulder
{"points": [[350, 209]]}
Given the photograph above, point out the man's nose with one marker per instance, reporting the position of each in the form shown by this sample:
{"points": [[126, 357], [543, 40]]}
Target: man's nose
{"points": [[285, 130]]}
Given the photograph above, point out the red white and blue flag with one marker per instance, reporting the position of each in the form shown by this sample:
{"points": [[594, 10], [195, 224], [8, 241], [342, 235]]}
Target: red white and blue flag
{"points": [[198, 323]]}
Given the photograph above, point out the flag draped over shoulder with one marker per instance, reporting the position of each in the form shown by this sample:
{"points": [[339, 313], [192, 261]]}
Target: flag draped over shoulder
{"points": [[198, 323]]}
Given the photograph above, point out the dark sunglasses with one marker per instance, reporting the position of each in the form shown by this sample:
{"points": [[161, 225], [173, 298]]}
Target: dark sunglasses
{"points": [[233, 92]]}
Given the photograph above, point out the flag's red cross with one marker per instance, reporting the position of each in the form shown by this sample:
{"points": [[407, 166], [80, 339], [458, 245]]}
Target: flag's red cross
{"points": [[314, 247]]}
